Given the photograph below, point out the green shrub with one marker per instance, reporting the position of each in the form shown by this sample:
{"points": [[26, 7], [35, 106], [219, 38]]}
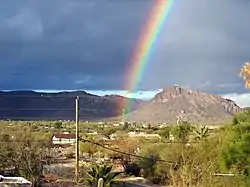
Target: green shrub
{"points": [[70, 154]]}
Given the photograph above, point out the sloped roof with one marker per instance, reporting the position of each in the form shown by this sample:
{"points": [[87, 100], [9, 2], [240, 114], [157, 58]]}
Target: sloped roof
{"points": [[65, 136]]}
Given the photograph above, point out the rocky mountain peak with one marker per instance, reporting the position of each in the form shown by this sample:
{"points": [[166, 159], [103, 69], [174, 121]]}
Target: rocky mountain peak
{"points": [[176, 91], [191, 104]]}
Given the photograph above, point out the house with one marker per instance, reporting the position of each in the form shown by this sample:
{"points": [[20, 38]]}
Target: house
{"points": [[14, 181], [92, 132], [63, 139], [142, 134], [116, 124]]}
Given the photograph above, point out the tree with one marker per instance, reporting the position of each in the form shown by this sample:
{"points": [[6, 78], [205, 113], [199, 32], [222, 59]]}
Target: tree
{"points": [[31, 164], [165, 132], [154, 171], [23, 153], [108, 131], [236, 153], [131, 169], [86, 147], [58, 125], [125, 125], [242, 117], [148, 166], [5, 138], [182, 131], [245, 74]]}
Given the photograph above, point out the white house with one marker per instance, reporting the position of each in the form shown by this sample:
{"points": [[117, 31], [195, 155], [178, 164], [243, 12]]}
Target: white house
{"points": [[64, 138], [116, 124], [92, 133], [142, 134]]}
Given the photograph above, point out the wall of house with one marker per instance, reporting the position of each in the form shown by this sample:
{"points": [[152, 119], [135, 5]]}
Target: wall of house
{"points": [[62, 141]]}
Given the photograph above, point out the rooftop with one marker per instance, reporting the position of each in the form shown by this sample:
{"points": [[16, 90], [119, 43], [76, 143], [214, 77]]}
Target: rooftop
{"points": [[8, 181], [65, 135]]}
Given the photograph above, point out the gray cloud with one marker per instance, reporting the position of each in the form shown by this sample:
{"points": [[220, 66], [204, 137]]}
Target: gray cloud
{"points": [[75, 44], [205, 40]]}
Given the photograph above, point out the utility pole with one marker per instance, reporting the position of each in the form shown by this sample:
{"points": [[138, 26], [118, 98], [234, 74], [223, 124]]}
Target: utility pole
{"points": [[123, 117], [77, 142]]}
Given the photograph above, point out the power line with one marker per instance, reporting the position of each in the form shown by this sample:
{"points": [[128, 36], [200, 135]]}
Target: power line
{"points": [[37, 141], [100, 145], [125, 153]]}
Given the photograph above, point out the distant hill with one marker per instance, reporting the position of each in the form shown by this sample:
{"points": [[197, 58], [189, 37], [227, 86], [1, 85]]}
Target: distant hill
{"points": [[30, 105], [190, 105]]}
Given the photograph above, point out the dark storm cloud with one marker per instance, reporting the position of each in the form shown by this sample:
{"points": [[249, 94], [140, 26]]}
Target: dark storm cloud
{"points": [[67, 44], [73, 44]]}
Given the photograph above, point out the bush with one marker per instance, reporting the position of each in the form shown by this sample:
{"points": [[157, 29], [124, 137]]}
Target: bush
{"points": [[70, 155], [182, 131], [236, 152]]}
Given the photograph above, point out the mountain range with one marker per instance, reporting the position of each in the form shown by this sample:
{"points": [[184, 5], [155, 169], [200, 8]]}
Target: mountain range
{"points": [[166, 107], [30, 105]]}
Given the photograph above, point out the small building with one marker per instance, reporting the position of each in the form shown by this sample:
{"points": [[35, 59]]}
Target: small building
{"points": [[63, 139], [142, 134], [92, 132], [14, 181]]}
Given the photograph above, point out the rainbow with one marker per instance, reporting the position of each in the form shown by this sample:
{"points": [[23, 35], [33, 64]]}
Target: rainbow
{"points": [[145, 46]]}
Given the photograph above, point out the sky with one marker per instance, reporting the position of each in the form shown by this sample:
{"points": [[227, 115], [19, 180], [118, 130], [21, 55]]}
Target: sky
{"points": [[88, 45]]}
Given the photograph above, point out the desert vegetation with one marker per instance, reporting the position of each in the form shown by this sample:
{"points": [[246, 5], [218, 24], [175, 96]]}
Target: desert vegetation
{"points": [[182, 155]]}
